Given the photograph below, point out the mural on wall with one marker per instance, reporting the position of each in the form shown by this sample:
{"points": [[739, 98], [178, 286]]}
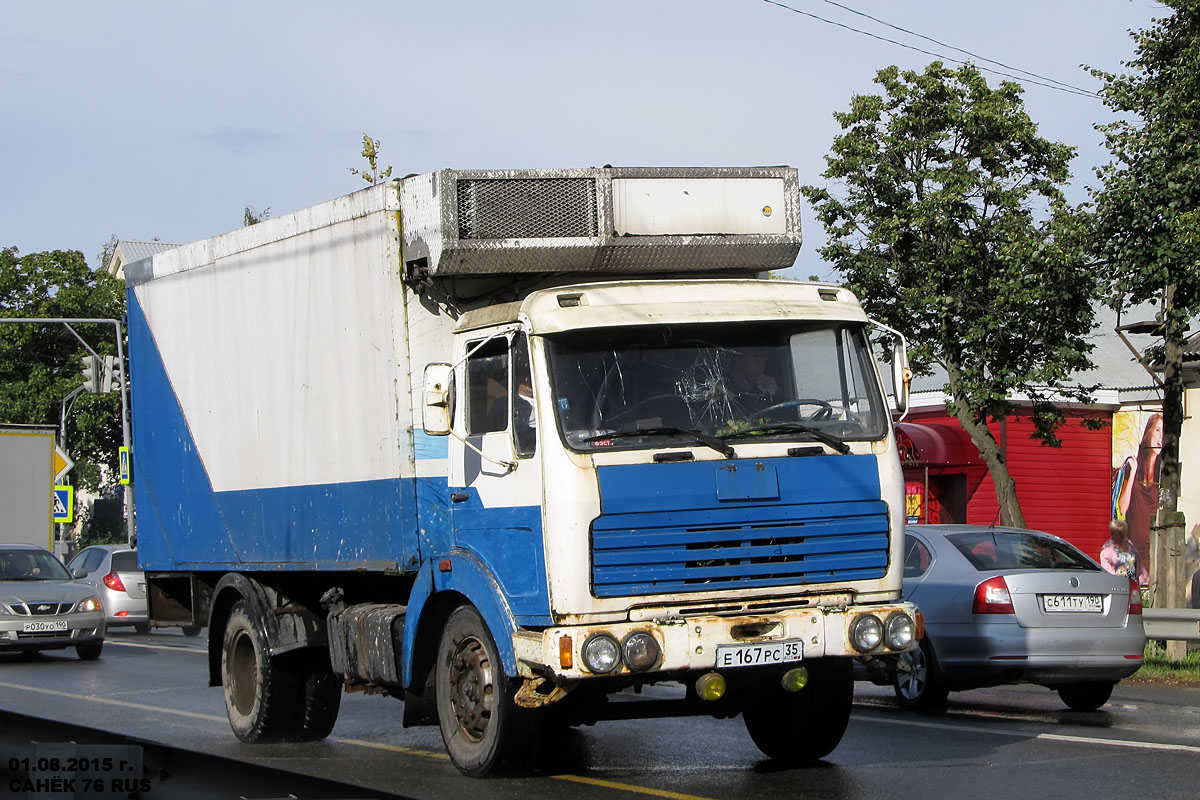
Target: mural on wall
{"points": [[1136, 451]]}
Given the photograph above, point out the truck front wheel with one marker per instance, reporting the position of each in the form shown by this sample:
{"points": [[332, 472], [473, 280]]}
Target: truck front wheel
{"points": [[802, 727], [475, 708]]}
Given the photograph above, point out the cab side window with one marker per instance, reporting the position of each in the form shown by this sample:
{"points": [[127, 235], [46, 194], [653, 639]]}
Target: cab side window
{"points": [[487, 388], [524, 410]]}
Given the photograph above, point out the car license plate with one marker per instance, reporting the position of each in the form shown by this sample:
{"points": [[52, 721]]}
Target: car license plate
{"points": [[44, 625], [1053, 603], [752, 655]]}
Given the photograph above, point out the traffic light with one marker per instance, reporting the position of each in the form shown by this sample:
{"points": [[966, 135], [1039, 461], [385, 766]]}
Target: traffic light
{"points": [[110, 378], [91, 376]]}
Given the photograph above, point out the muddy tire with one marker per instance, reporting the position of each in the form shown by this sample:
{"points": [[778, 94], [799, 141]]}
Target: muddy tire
{"points": [[322, 699], [481, 726], [260, 696], [920, 688], [1086, 696], [803, 727], [89, 652]]}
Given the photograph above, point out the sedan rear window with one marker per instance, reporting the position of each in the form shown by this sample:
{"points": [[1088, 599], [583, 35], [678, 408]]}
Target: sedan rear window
{"points": [[125, 561], [991, 550]]}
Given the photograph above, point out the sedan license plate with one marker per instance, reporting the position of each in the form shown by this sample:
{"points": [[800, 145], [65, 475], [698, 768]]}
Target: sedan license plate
{"points": [[44, 625], [753, 655], [1091, 603]]}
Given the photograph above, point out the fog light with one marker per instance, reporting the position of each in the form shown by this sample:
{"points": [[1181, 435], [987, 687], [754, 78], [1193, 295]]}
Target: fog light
{"points": [[866, 633], [601, 653], [640, 651], [795, 679], [711, 686], [900, 631]]}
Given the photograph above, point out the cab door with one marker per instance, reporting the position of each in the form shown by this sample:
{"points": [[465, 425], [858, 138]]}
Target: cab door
{"points": [[495, 477]]}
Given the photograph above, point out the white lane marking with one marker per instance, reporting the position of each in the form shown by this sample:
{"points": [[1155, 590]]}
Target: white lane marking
{"points": [[107, 701], [1056, 737], [173, 648]]}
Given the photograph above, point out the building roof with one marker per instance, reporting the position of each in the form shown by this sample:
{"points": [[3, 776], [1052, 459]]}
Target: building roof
{"points": [[128, 251], [1116, 373]]}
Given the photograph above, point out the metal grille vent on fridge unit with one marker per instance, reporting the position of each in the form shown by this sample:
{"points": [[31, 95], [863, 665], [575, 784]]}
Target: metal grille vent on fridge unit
{"points": [[526, 208]]}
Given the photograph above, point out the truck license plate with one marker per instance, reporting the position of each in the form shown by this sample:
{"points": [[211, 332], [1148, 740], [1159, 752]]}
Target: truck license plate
{"points": [[1093, 603], [44, 626], [753, 655]]}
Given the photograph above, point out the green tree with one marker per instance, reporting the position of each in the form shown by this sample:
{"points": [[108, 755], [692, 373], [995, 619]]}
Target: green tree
{"points": [[40, 363], [251, 216], [370, 151], [1147, 226], [952, 228]]}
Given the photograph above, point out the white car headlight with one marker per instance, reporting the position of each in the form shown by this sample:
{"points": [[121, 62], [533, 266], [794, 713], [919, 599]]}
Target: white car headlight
{"points": [[89, 604]]}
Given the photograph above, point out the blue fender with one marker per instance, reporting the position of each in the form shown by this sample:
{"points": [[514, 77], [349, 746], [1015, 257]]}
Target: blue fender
{"points": [[468, 577]]}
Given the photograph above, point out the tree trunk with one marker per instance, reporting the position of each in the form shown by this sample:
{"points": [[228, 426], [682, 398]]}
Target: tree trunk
{"points": [[1167, 537], [989, 449]]}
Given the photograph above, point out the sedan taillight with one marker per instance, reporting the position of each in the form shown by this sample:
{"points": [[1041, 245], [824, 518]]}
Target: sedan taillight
{"points": [[113, 581], [1135, 597], [992, 597]]}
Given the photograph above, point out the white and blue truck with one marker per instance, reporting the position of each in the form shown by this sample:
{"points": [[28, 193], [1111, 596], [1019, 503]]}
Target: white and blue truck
{"points": [[504, 444]]}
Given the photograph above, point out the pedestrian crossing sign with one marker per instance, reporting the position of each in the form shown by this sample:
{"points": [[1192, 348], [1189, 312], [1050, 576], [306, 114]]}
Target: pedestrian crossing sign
{"points": [[64, 504]]}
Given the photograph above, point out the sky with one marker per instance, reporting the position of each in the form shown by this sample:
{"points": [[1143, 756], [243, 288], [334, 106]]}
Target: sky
{"points": [[157, 120]]}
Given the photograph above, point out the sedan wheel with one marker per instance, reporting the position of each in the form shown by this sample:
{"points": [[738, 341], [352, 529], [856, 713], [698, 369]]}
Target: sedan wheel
{"points": [[919, 687], [1086, 696]]}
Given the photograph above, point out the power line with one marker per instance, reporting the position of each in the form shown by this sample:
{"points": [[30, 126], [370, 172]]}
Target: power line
{"points": [[1048, 83], [956, 49]]}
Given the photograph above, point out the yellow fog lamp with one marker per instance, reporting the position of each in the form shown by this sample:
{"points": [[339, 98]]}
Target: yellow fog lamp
{"points": [[711, 686], [794, 679]]}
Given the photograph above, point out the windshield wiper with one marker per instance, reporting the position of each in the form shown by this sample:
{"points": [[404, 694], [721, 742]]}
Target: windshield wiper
{"points": [[792, 427], [703, 438]]}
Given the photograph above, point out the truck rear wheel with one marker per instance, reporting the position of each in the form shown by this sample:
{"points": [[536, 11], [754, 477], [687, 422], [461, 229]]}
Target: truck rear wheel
{"points": [[802, 727], [260, 698], [322, 699], [479, 721]]}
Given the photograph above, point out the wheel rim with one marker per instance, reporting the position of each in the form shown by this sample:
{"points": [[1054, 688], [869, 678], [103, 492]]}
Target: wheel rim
{"points": [[243, 664], [472, 691], [911, 684]]}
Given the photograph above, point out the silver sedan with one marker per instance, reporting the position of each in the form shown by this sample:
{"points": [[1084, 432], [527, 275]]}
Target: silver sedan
{"points": [[42, 608], [1006, 605]]}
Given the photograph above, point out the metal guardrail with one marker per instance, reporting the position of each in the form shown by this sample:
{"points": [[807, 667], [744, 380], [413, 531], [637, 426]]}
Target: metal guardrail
{"points": [[1181, 624]]}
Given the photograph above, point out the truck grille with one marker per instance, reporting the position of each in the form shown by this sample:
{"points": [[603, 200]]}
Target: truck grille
{"points": [[738, 548], [520, 208]]}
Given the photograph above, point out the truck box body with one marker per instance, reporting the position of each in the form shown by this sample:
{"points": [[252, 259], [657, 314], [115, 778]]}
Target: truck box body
{"points": [[27, 484], [553, 415]]}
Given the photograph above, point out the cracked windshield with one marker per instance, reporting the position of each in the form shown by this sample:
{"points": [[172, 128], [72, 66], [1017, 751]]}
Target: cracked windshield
{"points": [[656, 386]]}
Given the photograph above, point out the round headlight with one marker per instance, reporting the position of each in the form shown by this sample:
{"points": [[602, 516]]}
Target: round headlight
{"points": [[866, 633], [640, 651], [601, 653], [899, 631]]}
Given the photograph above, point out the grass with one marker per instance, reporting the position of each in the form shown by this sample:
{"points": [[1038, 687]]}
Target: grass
{"points": [[1158, 668]]}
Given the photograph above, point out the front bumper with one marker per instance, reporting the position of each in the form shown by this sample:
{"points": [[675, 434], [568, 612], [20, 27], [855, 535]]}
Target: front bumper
{"points": [[82, 628], [690, 643]]}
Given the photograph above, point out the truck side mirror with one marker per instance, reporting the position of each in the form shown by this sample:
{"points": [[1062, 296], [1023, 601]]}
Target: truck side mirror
{"points": [[439, 399], [901, 375]]}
